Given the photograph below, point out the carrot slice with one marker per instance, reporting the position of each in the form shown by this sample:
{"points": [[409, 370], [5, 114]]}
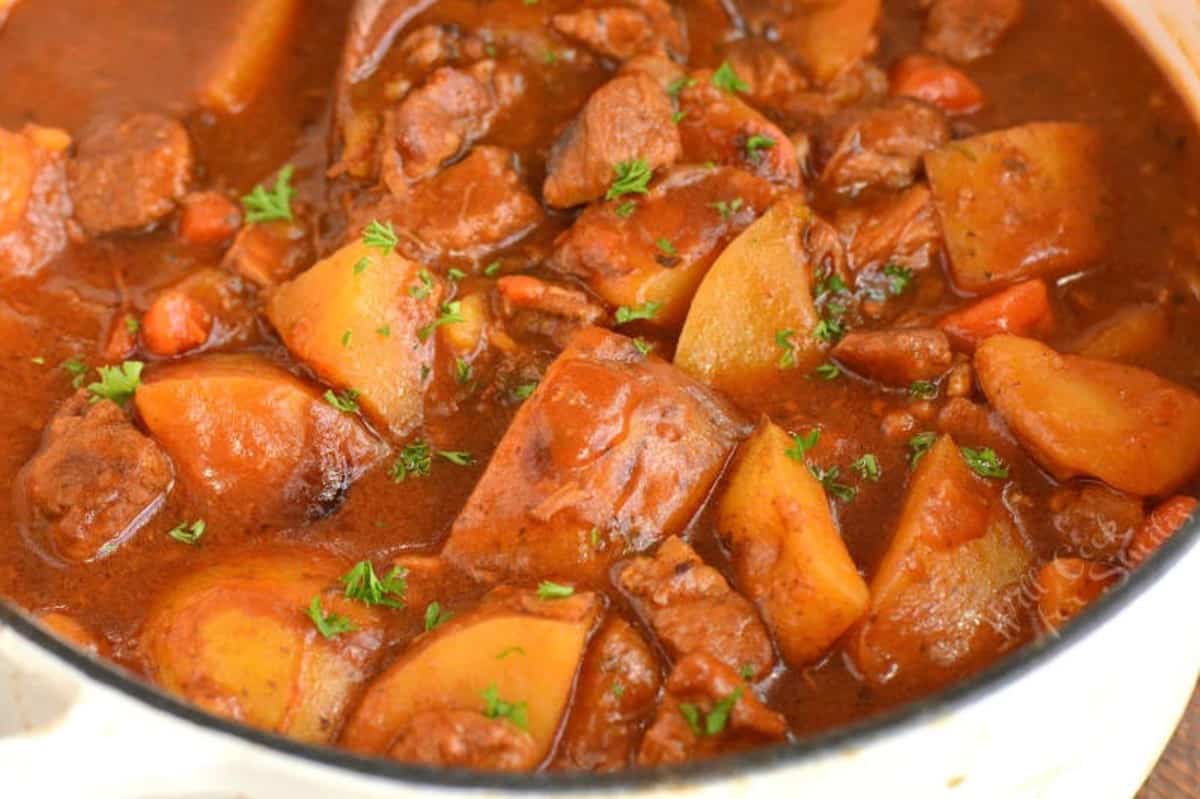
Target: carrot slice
{"points": [[1023, 310]]}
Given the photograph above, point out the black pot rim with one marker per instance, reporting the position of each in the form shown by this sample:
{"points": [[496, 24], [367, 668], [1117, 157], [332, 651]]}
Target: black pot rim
{"points": [[754, 762]]}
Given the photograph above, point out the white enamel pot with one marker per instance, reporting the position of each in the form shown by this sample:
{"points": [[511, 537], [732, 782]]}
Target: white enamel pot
{"points": [[1085, 714]]}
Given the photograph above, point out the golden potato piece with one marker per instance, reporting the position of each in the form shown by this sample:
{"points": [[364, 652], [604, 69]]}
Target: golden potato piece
{"points": [[522, 648], [787, 553], [944, 598], [247, 434], [354, 318], [235, 639], [1081, 416], [1019, 203], [1127, 335], [259, 40], [834, 36], [761, 284]]}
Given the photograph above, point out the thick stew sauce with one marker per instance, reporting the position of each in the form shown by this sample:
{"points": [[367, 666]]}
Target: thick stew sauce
{"points": [[533, 384]]}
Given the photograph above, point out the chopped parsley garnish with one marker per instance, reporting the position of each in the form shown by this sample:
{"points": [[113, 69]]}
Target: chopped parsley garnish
{"points": [[830, 330], [691, 714], [525, 390], [755, 146], [448, 314], [117, 383], [666, 247], [77, 369], [380, 236], [783, 340], [186, 533], [415, 460], [918, 445], [713, 722], [746, 672], [727, 209], [435, 615], [594, 537], [423, 287], [831, 284], [923, 389], [678, 116], [132, 325], [361, 265], [679, 84], [549, 590], [727, 80], [347, 336], [632, 177], [617, 689], [462, 371], [829, 480], [549, 56], [492, 269], [868, 467], [344, 401], [457, 458], [454, 274], [274, 205], [364, 585], [828, 371], [512, 650], [801, 444], [384, 330], [899, 278], [331, 624], [496, 708], [985, 462], [646, 310], [641, 345], [625, 209]]}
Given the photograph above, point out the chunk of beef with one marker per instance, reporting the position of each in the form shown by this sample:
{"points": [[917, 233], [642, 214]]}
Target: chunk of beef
{"points": [[964, 30], [94, 481], [269, 253], [663, 70], [880, 146], [614, 698], [627, 118], [769, 74], [690, 726], [130, 174], [691, 608], [902, 229], [717, 126], [1093, 521], [34, 204], [465, 739], [694, 210], [492, 209], [441, 118], [539, 307], [896, 357], [623, 30], [613, 452]]}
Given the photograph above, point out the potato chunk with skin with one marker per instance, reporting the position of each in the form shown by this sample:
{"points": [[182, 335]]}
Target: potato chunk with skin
{"points": [[614, 451], [247, 434], [1127, 335], [528, 649], [695, 211], [943, 600], [787, 553], [235, 639], [1079, 416], [761, 284], [34, 201], [691, 608], [356, 326], [1019, 203]]}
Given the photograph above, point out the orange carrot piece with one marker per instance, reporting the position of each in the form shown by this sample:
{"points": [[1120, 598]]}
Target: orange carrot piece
{"points": [[936, 82], [208, 218], [1023, 310], [175, 323]]}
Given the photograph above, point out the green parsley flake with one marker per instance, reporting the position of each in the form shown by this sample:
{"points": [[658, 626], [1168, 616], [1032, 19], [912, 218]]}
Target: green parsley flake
{"points": [[186, 533], [132, 325], [899, 278], [512, 650], [727, 209], [679, 84], [274, 205], [727, 80], [646, 310], [641, 345], [344, 401], [117, 383], [435, 615], [918, 445], [549, 590], [718, 717], [423, 287], [632, 177], [361, 265], [380, 236], [496, 708], [448, 314], [923, 389], [415, 460], [828, 371], [364, 585], [801, 444], [454, 274], [457, 458], [492, 269], [462, 371], [346, 337], [617, 689], [525, 390], [829, 480], [783, 340], [328, 625], [755, 146], [77, 369], [868, 467], [985, 462], [384, 331], [625, 209], [678, 116]]}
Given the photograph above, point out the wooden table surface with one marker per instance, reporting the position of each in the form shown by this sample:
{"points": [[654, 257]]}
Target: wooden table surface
{"points": [[1177, 775]]}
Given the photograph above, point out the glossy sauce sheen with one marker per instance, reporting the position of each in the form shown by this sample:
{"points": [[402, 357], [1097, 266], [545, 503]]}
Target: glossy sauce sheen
{"points": [[1068, 61]]}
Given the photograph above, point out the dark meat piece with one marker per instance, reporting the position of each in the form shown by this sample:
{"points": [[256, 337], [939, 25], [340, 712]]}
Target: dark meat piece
{"points": [[717, 126], [903, 229], [614, 698], [696, 211], [34, 204], [441, 118], [623, 30], [130, 174], [614, 451], [880, 146], [94, 481], [465, 739], [769, 74], [896, 357], [627, 118], [684, 729], [691, 608], [965, 30], [539, 307], [269, 253]]}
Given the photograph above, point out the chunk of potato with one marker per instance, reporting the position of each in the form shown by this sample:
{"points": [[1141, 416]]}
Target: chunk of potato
{"points": [[1126, 335], [1080, 416], [256, 45], [17, 171], [528, 649], [1019, 203], [832, 37], [787, 553], [247, 434], [235, 639], [944, 598], [353, 319], [761, 284]]}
